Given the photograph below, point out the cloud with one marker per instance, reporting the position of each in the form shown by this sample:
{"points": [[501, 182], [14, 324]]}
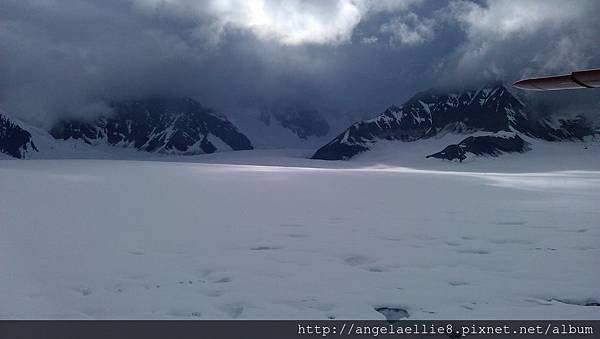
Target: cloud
{"points": [[60, 57], [348, 58], [370, 39], [509, 40], [409, 29], [549, 35], [506, 18], [288, 22]]}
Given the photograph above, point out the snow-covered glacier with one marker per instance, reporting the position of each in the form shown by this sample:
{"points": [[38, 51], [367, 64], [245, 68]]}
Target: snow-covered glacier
{"points": [[273, 235]]}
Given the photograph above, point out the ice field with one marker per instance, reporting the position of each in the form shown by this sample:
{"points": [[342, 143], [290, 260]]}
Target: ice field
{"points": [[273, 235]]}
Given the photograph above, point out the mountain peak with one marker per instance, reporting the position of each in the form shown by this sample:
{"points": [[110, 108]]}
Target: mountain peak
{"points": [[489, 108], [14, 140]]}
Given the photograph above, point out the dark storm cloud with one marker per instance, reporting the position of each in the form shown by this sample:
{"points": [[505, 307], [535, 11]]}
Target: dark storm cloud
{"points": [[60, 57], [344, 57], [508, 40]]}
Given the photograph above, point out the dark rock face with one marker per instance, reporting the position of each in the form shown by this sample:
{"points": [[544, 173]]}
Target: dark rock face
{"points": [[491, 108], [14, 140], [303, 122], [336, 150], [175, 126], [492, 145]]}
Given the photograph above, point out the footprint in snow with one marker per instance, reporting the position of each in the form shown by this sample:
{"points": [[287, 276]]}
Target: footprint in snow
{"points": [[84, 291], [297, 235], [581, 230], [425, 237], [186, 282], [587, 302], [511, 241], [375, 269], [223, 280], [264, 248], [511, 223], [117, 288], [475, 251], [356, 260], [185, 314], [233, 310], [585, 247], [392, 313]]}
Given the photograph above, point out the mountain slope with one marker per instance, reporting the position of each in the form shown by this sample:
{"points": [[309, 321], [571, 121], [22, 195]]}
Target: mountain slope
{"points": [[493, 145], [14, 140], [172, 126], [491, 108]]}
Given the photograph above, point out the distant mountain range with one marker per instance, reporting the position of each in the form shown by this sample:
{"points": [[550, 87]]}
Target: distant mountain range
{"points": [[492, 120], [172, 126], [491, 115]]}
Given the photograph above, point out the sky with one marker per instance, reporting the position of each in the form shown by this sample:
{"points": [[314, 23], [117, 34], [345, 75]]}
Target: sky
{"points": [[345, 58]]}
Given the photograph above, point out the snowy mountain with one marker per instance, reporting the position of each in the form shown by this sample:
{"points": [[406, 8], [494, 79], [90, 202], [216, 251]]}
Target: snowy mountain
{"points": [[491, 108], [14, 140], [171, 126], [287, 126]]}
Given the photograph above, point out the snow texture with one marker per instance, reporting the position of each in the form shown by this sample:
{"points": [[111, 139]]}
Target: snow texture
{"points": [[273, 235]]}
